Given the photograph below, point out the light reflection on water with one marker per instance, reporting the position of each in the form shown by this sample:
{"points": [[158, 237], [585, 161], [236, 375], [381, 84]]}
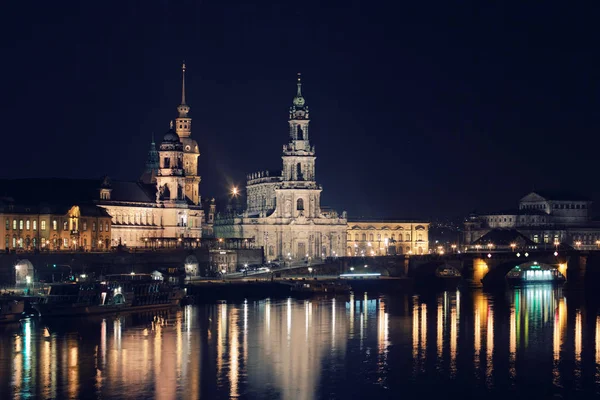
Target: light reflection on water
{"points": [[355, 346]]}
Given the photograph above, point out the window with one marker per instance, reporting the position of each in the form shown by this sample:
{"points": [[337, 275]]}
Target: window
{"points": [[43, 225], [93, 227], [371, 237], [21, 224], [364, 237], [100, 226], [84, 225], [356, 237], [408, 237], [34, 225], [300, 204], [7, 223], [65, 242], [27, 224], [536, 238], [167, 162], [14, 242], [65, 226], [106, 226], [6, 242], [420, 237], [379, 237]]}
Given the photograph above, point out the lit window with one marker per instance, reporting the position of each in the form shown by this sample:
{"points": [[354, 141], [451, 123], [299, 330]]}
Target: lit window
{"points": [[7, 223], [106, 226], [93, 227], [27, 224], [43, 225], [100, 226], [54, 225], [35, 225], [65, 242], [85, 225], [21, 224]]}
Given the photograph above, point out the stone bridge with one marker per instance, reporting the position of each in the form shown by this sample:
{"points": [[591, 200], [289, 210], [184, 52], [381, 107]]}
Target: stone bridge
{"points": [[477, 268], [45, 265]]}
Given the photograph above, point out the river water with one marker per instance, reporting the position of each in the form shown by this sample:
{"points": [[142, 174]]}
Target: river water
{"points": [[534, 343]]}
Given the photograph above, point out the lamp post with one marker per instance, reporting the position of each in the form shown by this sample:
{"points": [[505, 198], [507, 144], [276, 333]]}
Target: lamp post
{"points": [[310, 270], [578, 244], [513, 246], [453, 248]]}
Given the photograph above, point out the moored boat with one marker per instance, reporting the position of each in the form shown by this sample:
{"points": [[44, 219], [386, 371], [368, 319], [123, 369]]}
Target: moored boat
{"points": [[115, 293], [11, 310], [319, 287]]}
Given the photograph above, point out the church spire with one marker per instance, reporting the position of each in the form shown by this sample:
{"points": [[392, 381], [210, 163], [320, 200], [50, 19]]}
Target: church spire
{"points": [[183, 108], [183, 83], [299, 100]]}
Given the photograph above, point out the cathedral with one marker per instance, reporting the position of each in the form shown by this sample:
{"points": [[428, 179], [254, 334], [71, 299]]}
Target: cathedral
{"points": [[283, 212]]}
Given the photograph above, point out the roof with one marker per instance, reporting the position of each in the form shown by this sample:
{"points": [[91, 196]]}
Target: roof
{"points": [[390, 220], [515, 211], [66, 192], [504, 237], [560, 195]]}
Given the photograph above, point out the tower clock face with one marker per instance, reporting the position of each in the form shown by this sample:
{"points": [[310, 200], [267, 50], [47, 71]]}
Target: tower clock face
{"points": [[187, 148]]}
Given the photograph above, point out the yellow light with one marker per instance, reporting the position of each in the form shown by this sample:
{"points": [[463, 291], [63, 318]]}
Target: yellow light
{"points": [[234, 191]]}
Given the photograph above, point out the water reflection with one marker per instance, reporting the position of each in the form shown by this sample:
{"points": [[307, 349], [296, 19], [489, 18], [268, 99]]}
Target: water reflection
{"points": [[320, 348]]}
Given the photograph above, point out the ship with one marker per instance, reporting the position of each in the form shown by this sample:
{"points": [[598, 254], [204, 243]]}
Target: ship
{"points": [[11, 310], [112, 294]]}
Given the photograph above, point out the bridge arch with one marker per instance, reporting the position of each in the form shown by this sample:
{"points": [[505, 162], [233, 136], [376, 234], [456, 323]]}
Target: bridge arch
{"points": [[497, 274]]}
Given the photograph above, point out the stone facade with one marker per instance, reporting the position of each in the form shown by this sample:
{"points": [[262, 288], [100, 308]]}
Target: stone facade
{"points": [[545, 218], [283, 212], [386, 237], [25, 228]]}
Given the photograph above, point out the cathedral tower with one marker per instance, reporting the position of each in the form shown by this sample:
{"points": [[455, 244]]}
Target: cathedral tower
{"points": [[183, 129]]}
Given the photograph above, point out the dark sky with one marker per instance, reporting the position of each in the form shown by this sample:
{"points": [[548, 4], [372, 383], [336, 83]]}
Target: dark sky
{"points": [[419, 109]]}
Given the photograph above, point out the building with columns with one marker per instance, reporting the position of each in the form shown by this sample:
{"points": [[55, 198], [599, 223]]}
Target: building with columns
{"points": [[547, 218], [283, 208], [381, 237], [162, 208]]}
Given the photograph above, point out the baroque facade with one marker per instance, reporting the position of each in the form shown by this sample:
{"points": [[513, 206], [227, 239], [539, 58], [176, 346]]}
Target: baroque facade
{"points": [[386, 237], [283, 212], [546, 218]]}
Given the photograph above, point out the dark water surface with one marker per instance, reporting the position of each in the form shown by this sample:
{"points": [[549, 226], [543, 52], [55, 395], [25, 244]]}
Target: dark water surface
{"points": [[527, 343]]}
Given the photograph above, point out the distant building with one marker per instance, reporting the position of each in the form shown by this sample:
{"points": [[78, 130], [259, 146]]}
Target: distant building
{"points": [[546, 218], [371, 237], [283, 211]]}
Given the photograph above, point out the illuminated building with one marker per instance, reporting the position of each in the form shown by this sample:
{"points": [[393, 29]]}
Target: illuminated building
{"points": [[54, 227], [161, 209], [283, 212], [546, 218], [386, 237]]}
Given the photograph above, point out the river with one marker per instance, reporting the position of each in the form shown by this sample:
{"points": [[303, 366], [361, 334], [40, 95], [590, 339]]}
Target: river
{"points": [[537, 342]]}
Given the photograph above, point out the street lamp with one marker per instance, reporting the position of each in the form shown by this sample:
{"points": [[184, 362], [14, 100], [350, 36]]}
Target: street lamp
{"points": [[453, 248], [578, 244], [234, 191], [512, 246]]}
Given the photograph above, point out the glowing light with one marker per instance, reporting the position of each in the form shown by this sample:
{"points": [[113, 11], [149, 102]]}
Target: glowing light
{"points": [[359, 274], [234, 191]]}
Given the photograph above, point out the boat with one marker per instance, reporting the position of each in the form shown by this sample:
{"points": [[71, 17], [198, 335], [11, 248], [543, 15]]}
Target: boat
{"points": [[319, 287], [534, 275], [11, 310], [114, 293]]}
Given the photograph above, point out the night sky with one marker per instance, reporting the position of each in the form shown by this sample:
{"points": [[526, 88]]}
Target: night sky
{"points": [[418, 109]]}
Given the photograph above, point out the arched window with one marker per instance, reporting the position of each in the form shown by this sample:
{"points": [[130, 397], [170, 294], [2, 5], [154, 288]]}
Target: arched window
{"points": [[399, 237], [356, 237], [364, 237], [371, 237], [299, 172], [300, 133], [300, 204], [408, 237]]}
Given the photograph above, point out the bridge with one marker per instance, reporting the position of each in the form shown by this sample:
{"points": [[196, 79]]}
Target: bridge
{"points": [[485, 268]]}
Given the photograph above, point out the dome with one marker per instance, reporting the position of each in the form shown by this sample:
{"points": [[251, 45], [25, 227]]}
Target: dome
{"points": [[171, 137]]}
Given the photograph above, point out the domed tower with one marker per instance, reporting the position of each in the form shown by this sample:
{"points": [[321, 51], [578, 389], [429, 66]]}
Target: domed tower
{"points": [[170, 180], [183, 128]]}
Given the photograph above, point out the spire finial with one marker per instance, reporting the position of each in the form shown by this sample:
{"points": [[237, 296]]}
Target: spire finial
{"points": [[152, 138], [171, 124], [183, 83], [299, 94], [299, 100]]}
